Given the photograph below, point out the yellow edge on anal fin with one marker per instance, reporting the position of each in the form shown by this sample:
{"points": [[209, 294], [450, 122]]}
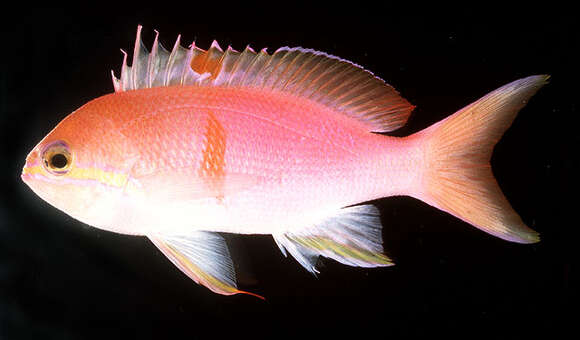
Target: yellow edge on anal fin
{"points": [[194, 272], [207, 280]]}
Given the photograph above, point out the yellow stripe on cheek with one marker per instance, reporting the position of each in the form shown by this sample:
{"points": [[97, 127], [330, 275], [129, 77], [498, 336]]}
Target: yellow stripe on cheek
{"points": [[33, 170], [109, 178]]}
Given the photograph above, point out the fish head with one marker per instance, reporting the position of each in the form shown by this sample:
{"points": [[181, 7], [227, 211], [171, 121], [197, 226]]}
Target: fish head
{"points": [[82, 166]]}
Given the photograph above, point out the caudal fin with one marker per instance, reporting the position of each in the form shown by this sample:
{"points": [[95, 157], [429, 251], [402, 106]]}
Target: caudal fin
{"points": [[458, 178]]}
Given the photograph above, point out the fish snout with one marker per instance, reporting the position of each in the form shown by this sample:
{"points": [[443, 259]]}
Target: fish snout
{"points": [[31, 167]]}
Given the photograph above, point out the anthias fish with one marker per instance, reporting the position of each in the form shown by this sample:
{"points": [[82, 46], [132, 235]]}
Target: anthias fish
{"points": [[195, 143]]}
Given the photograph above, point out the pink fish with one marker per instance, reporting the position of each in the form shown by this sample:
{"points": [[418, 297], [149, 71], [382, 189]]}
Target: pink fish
{"points": [[195, 143]]}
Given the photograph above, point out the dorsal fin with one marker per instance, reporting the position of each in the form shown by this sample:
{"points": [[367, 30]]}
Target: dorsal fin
{"points": [[323, 78]]}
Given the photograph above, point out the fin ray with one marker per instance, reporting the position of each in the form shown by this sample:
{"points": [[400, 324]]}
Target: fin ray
{"points": [[458, 177], [321, 77], [352, 236], [204, 257]]}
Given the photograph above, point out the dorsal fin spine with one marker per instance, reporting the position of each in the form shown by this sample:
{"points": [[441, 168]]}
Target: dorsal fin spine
{"points": [[246, 56], [237, 59], [136, 51], [328, 80], [227, 62], [118, 83], [125, 72], [261, 71], [213, 59], [219, 64], [136, 66], [216, 45], [152, 60], [157, 60], [171, 60], [186, 65], [253, 67]]}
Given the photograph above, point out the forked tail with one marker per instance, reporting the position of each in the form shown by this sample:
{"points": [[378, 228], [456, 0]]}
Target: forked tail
{"points": [[458, 177]]}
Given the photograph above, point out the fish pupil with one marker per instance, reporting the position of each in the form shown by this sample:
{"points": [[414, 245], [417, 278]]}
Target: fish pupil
{"points": [[58, 161]]}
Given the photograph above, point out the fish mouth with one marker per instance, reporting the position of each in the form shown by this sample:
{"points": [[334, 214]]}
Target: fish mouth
{"points": [[25, 176], [28, 174], [34, 179], [32, 168]]}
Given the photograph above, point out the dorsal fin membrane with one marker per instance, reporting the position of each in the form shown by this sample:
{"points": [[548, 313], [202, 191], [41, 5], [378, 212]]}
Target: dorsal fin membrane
{"points": [[326, 79]]}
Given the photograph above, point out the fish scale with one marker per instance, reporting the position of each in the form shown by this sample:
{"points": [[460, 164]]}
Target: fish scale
{"points": [[194, 143], [333, 154]]}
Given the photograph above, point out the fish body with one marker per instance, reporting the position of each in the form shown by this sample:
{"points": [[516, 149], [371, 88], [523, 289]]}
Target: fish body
{"points": [[194, 143], [251, 156]]}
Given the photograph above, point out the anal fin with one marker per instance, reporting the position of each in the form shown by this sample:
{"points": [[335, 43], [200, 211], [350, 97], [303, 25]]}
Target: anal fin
{"points": [[203, 257], [352, 236]]}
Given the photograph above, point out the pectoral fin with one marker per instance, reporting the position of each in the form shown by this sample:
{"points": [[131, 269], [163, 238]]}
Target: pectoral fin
{"points": [[204, 257]]}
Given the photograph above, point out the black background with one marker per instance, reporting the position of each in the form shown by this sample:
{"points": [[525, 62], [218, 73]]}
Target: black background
{"points": [[60, 279]]}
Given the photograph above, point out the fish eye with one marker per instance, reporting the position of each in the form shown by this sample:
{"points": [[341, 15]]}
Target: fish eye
{"points": [[58, 161], [57, 158]]}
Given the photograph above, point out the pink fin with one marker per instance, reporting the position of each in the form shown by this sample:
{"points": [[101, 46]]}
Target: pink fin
{"points": [[458, 177], [323, 78]]}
